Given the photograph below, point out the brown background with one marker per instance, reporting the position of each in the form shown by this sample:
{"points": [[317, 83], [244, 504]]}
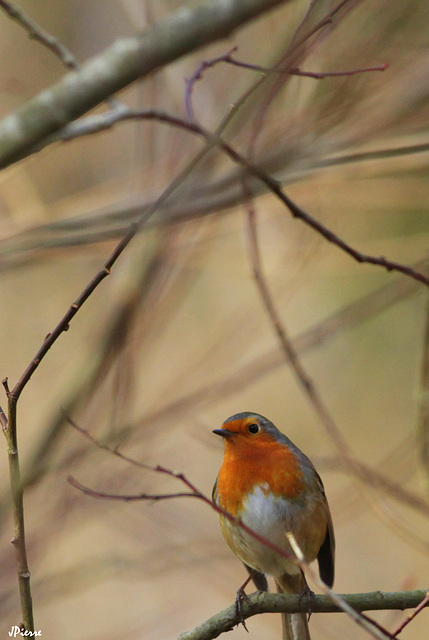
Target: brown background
{"points": [[199, 346]]}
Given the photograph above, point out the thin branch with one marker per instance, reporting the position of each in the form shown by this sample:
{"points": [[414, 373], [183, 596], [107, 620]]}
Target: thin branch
{"points": [[3, 420], [18, 540], [36, 32], [155, 497], [321, 75], [198, 74], [424, 603], [115, 451], [64, 323], [12, 438], [309, 220], [229, 59]]}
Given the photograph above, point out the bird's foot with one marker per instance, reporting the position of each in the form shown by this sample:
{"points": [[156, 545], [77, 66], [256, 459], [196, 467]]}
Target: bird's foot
{"points": [[241, 597], [307, 594]]}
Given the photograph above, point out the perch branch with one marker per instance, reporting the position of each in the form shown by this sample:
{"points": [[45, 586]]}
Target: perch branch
{"points": [[263, 602]]}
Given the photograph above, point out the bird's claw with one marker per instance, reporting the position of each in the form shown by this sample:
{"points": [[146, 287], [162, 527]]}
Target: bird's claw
{"points": [[308, 594], [239, 598]]}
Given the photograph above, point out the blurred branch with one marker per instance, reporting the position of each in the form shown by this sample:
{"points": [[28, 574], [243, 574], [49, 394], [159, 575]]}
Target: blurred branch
{"points": [[423, 417], [36, 32], [263, 602], [118, 66], [345, 319], [110, 222], [289, 351], [309, 388], [380, 482], [124, 113]]}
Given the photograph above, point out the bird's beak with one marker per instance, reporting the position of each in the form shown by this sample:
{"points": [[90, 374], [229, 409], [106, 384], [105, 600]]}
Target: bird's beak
{"points": [[223, 432]]}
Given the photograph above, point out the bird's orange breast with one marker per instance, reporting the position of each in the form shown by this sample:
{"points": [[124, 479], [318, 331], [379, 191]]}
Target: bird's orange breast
{"points": [[266, 463]]}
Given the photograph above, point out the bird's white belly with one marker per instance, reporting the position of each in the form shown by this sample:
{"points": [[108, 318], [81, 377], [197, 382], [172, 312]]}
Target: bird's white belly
{"points": [[271, 518]]}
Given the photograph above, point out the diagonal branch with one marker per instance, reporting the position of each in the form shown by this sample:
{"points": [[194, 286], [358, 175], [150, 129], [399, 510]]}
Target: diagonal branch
{"points": [[124, 114], [124, 62]]}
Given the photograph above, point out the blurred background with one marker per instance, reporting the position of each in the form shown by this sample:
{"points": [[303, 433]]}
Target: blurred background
{"points": [[177, 339]]}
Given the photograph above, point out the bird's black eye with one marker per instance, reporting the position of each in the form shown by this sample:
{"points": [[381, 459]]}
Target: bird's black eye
{"points": [[253, 428]]}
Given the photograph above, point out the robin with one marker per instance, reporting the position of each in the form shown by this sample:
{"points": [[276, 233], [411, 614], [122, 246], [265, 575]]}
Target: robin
{"points": [[270, 486]]}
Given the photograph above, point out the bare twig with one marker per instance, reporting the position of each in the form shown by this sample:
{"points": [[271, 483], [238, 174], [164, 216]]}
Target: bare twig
{"points": [[36, 32], [154, 497], [18, 540], [64, 323], [424, 603], [321, 75], [198, 74], [229, 59]]}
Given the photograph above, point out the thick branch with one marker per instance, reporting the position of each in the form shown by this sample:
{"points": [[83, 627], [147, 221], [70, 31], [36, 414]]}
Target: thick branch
{"points": [[118, 66], [262, 602]]}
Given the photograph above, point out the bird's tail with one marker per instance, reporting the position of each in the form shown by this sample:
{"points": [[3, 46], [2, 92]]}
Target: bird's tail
{"points": [[295, 625]]}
